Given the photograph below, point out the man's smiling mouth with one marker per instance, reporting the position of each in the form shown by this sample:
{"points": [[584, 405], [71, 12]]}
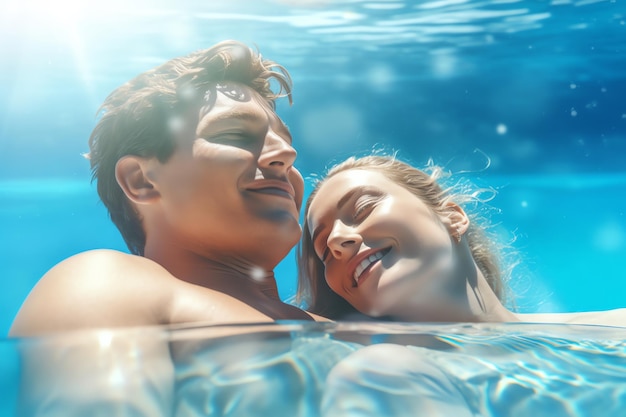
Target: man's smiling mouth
{"points": [[273, 191], [280, 188]]}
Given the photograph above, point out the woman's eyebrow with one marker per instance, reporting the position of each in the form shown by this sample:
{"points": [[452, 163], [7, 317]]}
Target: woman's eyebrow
{"points": [[347, 196], [360, 190]]}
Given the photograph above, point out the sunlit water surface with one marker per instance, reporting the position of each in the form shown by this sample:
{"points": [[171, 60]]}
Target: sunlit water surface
{"points": [[347, 369], [524, 96]]}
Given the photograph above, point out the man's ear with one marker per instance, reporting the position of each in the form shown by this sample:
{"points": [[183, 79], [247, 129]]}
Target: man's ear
{"points": [[456, 220], [131, 173]]}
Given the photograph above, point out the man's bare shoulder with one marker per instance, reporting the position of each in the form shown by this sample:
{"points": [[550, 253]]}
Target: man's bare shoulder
{"points": [[99, 288], [106, 270], [107, 289]]}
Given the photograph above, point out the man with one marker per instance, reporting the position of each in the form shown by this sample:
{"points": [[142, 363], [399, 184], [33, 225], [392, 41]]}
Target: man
{"points": [[196, 170]]}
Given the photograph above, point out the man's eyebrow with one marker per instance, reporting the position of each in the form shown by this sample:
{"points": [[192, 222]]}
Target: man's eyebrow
{"points": [[210, 121], [342, 202], [229, 115]]}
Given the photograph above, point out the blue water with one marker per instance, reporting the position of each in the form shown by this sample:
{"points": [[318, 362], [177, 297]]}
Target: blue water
{"points": [[329, 370], [536, 87]]}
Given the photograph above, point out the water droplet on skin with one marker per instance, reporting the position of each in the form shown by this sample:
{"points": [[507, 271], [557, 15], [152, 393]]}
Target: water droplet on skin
{"points": [[257, 273], [176, 124]]}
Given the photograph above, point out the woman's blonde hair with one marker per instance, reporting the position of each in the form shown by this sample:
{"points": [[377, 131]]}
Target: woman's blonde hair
{"points": [[313, 292]]}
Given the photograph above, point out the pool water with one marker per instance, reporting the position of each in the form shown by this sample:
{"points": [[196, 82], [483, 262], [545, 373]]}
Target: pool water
{"points": [[524, 96], [536, 87], [314, 369]]}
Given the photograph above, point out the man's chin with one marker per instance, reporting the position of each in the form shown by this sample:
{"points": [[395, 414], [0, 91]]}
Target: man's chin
{"points": [[282, 215], [285, 231]]}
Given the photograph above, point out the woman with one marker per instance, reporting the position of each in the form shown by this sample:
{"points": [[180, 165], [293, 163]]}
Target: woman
{"points": [[386, 240]]}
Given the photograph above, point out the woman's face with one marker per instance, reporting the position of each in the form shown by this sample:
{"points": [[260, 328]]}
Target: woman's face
{"points": [[383, 249]]}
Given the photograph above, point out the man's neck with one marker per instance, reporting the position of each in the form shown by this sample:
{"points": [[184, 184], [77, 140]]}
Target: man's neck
{"points": [[235, 276]]}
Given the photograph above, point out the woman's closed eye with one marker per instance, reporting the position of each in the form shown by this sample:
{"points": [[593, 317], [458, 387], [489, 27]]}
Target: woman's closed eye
{"points": [[364, 205]]}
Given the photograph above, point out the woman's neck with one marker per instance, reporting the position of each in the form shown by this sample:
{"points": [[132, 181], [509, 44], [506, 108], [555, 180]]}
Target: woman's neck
{"points": [[484, 305], [473, 301], [482, 302]]}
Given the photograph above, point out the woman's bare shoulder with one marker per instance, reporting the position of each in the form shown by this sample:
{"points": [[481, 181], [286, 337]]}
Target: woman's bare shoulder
{"points": [[615, 317]]}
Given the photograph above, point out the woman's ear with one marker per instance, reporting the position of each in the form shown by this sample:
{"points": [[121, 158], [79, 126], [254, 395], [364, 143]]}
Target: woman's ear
{"points": [[456, 220], [131, 173]]}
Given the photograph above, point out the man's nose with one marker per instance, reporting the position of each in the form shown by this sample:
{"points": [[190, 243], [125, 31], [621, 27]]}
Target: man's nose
{"points": [[277, 152]]}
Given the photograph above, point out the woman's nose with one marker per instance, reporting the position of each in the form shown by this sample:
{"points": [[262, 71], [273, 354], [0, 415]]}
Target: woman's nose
{"points": [[343, 240]]}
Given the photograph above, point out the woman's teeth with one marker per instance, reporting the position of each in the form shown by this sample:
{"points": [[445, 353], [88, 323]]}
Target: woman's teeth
{"points": [[362, 266]]}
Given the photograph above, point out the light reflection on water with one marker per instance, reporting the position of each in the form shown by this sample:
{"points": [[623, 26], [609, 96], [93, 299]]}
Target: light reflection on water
{"points": [[538, 86], [290, 369]]}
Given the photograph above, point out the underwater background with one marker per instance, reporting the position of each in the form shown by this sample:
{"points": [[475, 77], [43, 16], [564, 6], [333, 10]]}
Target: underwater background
{"points": [[523, 96]]}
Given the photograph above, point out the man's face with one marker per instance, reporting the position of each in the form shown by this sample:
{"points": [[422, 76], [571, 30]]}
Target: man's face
{"points": [[230, 187]]}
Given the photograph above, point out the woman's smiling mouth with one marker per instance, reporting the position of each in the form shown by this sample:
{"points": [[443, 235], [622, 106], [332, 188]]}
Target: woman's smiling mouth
{"points": [[366, 263]]}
